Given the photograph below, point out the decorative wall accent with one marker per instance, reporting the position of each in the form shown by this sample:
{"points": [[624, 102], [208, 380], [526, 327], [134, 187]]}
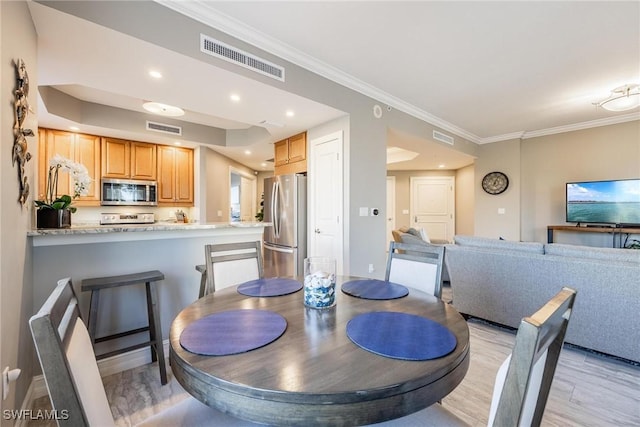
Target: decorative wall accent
{"points": [[21, 109]]}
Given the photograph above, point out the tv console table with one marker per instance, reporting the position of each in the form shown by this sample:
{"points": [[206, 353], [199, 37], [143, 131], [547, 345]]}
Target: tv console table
{"points": [[614, 231]]}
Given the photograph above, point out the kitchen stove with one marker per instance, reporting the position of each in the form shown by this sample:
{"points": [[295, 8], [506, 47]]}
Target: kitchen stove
{"points": [[126, 218]]}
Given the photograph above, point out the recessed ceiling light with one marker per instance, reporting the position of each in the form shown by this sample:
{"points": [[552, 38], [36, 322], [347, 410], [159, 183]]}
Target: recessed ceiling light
{"points": [[74, 128], [247, 152], [155, 74], [234, 97], [290, 113], [264, 165], [441, 166], [163, 109], [177, 143]]}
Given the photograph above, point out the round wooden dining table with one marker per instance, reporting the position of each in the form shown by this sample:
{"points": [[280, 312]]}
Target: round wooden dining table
{"points": [[314, 374]]}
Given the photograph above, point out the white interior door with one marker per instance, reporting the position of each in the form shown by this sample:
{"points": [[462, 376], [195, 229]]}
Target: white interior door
{"points": [[243, 197], [391, 209], [325, 181], [433, 206], [247, 199]]}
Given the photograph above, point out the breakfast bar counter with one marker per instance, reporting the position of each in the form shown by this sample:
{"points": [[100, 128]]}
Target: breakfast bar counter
{"points": [[96, 233], [92, 250]]}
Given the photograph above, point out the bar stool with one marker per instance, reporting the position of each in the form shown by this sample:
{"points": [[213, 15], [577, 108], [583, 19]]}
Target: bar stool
{"points": [[95, 285]]}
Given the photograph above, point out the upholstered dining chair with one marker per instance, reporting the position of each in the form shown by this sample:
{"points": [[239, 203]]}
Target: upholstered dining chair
{"points": [[523, 381], [228, 264], [416, 266], [71, 372]]}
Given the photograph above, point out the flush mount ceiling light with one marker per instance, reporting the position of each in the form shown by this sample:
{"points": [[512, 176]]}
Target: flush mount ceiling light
{"points": [[163, 109], [622, 98]]}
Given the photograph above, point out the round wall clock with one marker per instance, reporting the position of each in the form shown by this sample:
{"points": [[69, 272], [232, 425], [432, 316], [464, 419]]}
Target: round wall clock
{"points": [[495, 183]]}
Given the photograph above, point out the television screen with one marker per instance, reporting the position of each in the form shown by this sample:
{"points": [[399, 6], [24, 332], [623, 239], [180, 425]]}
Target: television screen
{"points": [[604, 202]]}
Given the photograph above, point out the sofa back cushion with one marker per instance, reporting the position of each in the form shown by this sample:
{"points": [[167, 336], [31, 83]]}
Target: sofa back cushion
{"points": [[589, 252], [487, 243]]}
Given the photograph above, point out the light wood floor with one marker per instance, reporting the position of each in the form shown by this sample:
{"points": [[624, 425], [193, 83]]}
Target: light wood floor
{"points": [[588, 389]]}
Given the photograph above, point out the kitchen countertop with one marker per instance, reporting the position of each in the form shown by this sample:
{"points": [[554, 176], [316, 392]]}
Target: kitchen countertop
{"points": [[94, 228], [96, 233]]}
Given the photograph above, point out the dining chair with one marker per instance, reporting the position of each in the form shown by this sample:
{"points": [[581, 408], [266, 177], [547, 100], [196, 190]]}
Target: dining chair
{"points": [[229, 264], [73, 380], [524, 379], [416, 266]]}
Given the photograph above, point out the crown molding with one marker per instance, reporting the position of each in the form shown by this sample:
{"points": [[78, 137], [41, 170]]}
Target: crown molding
{"points": [[584, 125], [204, 12]]}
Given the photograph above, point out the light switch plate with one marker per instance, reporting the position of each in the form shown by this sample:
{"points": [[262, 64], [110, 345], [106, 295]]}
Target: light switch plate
{"points": [[364, 211]]}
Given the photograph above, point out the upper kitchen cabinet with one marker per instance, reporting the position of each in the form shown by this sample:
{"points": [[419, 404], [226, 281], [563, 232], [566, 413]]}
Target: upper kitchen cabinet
{"points": [[128, 159], [79, 148], [175, 176], [290, 155]]}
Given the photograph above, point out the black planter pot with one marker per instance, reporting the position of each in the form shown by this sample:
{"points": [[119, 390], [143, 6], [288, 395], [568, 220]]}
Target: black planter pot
{"points": [[53, 218]]}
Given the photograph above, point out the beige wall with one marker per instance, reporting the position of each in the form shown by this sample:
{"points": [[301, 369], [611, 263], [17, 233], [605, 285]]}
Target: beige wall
{"points": [[548, 162], [216, 186], [465, 200], [17, 40], [504, 157]]}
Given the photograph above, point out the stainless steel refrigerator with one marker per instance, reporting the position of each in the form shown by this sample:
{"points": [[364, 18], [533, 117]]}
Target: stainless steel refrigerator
{"points": [[285, 242]]}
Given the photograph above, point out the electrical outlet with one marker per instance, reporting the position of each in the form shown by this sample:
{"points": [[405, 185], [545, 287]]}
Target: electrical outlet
{"points": [[371, 269]]}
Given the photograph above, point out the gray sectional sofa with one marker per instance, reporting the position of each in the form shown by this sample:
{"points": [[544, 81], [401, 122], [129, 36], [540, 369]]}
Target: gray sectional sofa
{"points": [[503, 281]]}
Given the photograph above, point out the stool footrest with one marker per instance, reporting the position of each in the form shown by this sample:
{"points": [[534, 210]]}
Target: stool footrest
{"points": [[122, 334], [126, 349]]}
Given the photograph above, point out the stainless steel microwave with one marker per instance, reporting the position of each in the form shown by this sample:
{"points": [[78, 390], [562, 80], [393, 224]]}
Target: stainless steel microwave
{"points": [[129, 192]]}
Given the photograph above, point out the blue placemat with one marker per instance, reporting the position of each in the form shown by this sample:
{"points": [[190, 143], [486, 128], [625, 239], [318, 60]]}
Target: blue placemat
{"points": [[232, 332], [271, 287], [401, 335], [374, 289]]}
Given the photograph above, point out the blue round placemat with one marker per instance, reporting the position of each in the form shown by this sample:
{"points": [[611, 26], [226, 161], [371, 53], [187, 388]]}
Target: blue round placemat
{"points": [[401, 335], [271, 287], [232, 332], [374, 289]]}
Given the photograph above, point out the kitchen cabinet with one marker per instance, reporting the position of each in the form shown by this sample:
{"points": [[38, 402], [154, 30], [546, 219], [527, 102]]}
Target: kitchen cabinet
{"points": [[79, 148], [128, 159], [175, 176], [290, 155]]}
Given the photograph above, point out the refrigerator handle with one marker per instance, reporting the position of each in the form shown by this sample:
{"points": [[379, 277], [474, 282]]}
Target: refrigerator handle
{"points": [[274, 209], [278, 249]]}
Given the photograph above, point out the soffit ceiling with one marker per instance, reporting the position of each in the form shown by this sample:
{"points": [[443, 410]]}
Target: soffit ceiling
{"points": [[487, 71]]}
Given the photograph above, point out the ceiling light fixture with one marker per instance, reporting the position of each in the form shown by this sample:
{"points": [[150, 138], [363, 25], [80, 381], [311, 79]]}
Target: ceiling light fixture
{"points": [[290, 113], [163, 109], [155, 74], [622, 98], [235, 98]]}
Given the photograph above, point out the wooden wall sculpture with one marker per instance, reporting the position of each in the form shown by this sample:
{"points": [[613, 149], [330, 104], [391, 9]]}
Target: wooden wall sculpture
{"points": [[21, 109]]}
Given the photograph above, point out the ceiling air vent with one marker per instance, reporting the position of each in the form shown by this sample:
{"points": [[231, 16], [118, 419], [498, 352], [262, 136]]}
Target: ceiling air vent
{"points": [[164, 128], [221, 50], [439, 136]]}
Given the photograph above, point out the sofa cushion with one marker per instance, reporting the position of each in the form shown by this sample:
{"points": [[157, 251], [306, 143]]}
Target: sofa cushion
{"points": [[484, 242], [412, 239], [589, 252]]}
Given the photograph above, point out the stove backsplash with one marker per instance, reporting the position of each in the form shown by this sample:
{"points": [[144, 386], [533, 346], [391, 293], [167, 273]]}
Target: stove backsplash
{"points": [[92, 215]]}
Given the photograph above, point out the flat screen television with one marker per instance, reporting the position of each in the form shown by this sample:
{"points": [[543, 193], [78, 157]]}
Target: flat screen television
{"points": [[604, 202]]}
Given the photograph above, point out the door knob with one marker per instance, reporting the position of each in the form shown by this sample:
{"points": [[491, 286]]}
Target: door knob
{"points": [[317, 230]]}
